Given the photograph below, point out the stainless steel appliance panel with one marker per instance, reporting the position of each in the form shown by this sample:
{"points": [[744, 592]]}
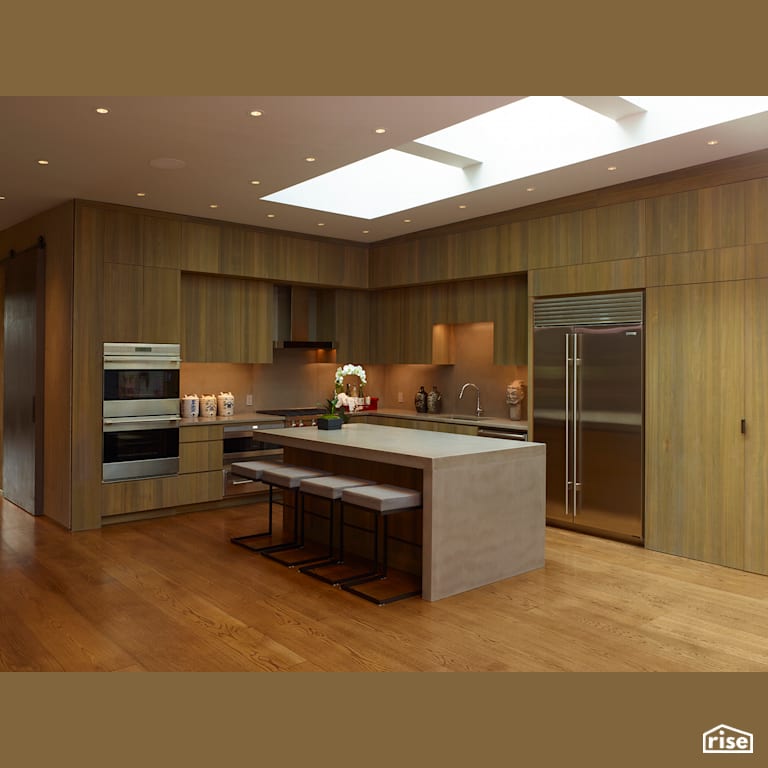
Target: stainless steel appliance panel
{"points": [[588, 409], [136, 449]]}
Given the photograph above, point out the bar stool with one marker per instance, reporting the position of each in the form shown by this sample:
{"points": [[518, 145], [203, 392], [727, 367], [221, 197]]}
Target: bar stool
{"points": [[382, 501], [287, 477], [254, 470], [329, 487]]}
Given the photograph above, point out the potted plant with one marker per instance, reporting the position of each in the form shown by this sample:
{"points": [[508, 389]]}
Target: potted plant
{"points": [[331, 419]]}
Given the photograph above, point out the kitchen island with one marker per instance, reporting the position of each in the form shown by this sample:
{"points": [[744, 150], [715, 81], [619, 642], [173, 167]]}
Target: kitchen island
{"points": [[483, 512]]}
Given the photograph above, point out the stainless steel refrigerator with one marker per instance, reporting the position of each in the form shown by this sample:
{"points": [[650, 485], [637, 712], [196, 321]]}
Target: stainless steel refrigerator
{"points": [[588, 354]]}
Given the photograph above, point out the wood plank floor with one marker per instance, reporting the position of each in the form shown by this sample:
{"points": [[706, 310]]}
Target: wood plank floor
{"points": [[174, 594]]}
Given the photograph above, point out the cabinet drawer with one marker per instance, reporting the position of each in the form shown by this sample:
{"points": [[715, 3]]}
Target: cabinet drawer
{"points": [[200, 457], [198, 434]]}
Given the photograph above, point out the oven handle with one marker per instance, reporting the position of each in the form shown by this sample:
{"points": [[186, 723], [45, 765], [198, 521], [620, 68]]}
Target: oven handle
{"points": [[126, 423], [141, 363], [502, 435]]}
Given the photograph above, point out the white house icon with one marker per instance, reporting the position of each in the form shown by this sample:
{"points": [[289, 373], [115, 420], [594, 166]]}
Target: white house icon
{"points": [[724, 739]]}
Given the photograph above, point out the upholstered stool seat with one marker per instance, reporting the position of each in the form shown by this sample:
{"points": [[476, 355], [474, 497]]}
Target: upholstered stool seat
{"points": [[382, 501]]}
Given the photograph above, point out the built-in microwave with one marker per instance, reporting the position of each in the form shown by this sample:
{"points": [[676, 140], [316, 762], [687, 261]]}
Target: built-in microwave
{"points": [[141, 379]]}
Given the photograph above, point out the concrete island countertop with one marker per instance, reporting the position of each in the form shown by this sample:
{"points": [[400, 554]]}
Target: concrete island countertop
{"points": [[239, 418], [483, 511]]}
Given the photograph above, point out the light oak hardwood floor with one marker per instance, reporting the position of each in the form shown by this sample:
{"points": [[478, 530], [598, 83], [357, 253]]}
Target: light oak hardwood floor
{"points": [[174, 594]]}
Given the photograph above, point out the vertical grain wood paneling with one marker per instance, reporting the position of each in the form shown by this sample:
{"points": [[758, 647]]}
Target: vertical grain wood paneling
{"points": [[713, 265], [417, 325], [509, 308], [256, 320], [123, 300], [87, 351], [756, 210], [353, 325], [161, 242], [387, 326], [554, 241], [757, 260], [119, 237], [756, 437], [721, 216], [614, 232], [194, 310], [200, 244], [694, 404], [628, 274], [160, 309], [672, 223], [233, 251]]}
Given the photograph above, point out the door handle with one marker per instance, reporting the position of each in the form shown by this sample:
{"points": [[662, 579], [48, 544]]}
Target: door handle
{"points": [[743, 426]]}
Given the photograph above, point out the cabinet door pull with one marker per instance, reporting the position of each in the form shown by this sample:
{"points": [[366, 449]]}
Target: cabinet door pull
{"points": [[743, 426]]}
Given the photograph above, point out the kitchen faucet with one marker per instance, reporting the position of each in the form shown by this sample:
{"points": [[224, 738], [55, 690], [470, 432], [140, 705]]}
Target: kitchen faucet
{"points": [[478, 410]]}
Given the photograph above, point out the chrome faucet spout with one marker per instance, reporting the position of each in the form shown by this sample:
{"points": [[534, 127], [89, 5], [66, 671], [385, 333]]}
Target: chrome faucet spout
{"points": [[478, 409]]}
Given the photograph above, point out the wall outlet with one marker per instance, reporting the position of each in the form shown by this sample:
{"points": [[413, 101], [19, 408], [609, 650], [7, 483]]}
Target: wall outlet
{"points": [[400, 397], [249, 399]]}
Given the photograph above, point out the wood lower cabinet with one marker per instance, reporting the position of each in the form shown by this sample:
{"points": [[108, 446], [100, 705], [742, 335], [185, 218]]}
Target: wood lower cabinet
{"points": [[707, 422], [199, 480], [429, 425]]}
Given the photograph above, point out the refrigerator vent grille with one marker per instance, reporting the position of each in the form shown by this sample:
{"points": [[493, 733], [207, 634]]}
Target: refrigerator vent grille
{"points": [[604, 309]]}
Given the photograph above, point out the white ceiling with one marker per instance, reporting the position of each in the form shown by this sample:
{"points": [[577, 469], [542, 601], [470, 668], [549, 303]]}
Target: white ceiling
{"points": [[107, 157]]}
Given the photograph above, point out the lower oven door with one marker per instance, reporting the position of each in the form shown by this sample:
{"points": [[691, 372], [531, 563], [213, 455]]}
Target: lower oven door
{"points": [[134, 449]]}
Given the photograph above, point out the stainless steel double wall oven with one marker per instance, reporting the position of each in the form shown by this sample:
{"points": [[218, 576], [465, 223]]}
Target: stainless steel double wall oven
{"points": [[140, 410]]}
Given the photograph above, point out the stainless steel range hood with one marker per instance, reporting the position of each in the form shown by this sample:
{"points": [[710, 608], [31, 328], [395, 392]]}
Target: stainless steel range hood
{"points": [[304, 318]]}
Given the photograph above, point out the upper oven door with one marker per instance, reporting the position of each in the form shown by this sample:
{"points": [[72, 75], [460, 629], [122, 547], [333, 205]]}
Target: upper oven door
{"points": [[141, 383]]}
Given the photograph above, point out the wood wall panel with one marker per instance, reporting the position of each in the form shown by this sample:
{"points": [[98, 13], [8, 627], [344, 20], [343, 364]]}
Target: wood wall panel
{"points": [[200, 244], [614, 232], [721, 216], [672, 223], [160, 310], [697, 267], [555, 241], [694, 406], [122, 298], [756, 210], [628, 274], [161, 242], [757, 260], [756, 436]]}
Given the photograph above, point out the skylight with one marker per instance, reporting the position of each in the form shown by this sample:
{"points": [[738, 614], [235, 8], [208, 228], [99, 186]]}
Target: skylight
{"points": [[527, 137]]}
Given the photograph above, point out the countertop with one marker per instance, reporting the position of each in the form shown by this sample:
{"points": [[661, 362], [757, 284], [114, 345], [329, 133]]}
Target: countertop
{"points": [[239, 418], [398, 445], [483, 421]]}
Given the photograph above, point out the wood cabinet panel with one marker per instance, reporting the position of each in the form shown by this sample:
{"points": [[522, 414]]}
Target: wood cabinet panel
{"points": [[160, 493], [200, 457], [122, 297], [235, 248], [614, 232], [387, 326], [160, 307], [756, 435], [672, 223], [628, 274], [116, 235], [756, 258], [353, 327], [160, 242], [554, 241], [201, 433], [694, 406], [721, 216], [756, 210], [714, 265], [200, 244], [226, 319]]}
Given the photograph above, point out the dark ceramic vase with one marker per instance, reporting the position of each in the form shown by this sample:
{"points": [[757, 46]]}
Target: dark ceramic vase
{"points": [[333, 423], [421, 401]]}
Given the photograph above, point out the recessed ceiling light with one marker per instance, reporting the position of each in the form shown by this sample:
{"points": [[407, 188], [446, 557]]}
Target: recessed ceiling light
{"points": [[381, 130], [213, 205], [530, 189], [255, 181], [462, 206], [611, 167], [102, 110], [141, 194], [255, 113], [365, 231], [407, 221], [310, 159], [270, 215], [712, 142], [320, 223], [42, 162], [2, 197]]}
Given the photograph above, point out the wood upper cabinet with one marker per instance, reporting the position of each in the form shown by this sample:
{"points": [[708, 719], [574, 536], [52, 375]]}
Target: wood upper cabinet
{"points": [[352, 325], [554, 241], [226, 319], [613, 232]]}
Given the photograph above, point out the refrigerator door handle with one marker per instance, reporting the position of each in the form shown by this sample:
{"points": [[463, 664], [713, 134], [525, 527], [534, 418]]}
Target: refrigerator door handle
{"points": [[567, 420], [575, 485]]}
